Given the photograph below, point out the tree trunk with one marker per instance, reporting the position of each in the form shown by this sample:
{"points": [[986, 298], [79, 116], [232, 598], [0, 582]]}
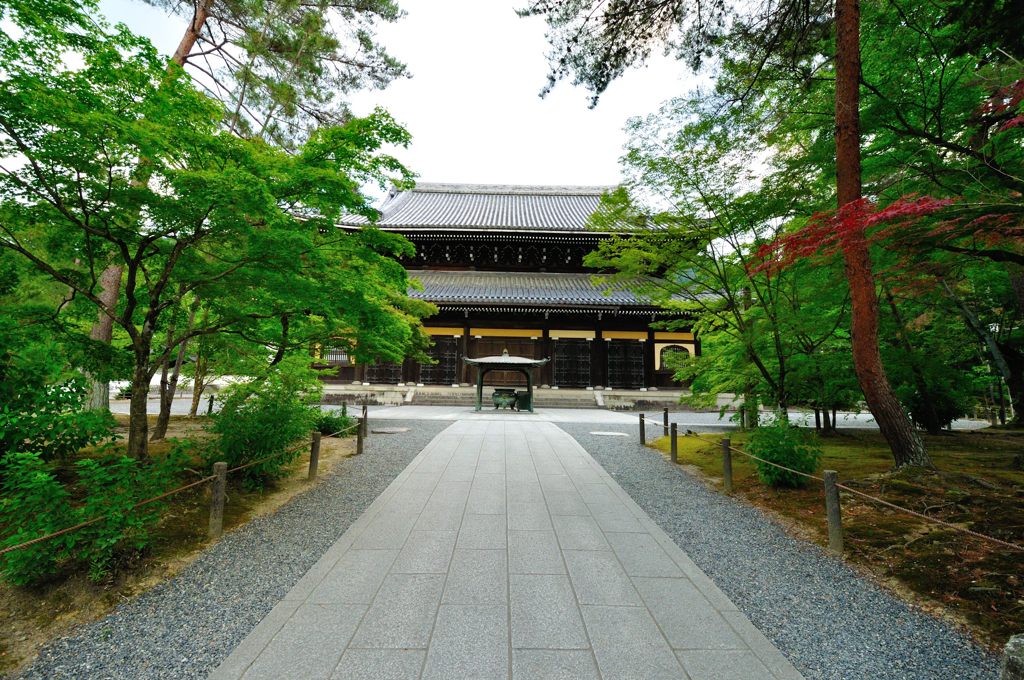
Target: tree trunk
{"points": [[817, 419], [932, 423], [169, 385], [1002, 402], [197, 395], [1007, 360], [906, 445], [103, 331], [138, 422], [1015, 383], [828, 425]]}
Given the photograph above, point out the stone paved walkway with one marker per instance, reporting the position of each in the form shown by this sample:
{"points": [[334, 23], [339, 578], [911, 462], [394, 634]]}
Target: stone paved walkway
{"points": [[505, 551]]}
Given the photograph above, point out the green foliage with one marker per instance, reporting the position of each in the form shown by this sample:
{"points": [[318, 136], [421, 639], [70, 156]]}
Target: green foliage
{"points": [[331, 422], [245, 226], [267, 416], [784, 444], [35, 502], [113, 485], [52, 421], [284, 67]]}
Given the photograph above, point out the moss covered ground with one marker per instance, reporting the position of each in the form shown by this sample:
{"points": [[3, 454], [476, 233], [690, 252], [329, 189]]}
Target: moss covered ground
{"points": [[978, 483]]}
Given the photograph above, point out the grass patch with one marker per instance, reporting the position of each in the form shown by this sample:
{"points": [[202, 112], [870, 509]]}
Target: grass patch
{"points": [[30, 617], [977, 485]]}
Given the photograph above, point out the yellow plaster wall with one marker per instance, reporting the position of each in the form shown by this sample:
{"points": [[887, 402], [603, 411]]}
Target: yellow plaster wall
{"points": [[507, 332], [587, 335]]}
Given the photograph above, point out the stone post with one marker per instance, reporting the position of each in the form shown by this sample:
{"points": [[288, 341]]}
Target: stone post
{"points": [[217, 496], [314, 455], [727, 465], [833, 512], [675, 443], [643, 433], [1012, 667]]}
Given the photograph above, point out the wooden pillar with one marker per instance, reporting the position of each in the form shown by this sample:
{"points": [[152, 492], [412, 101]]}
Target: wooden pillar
{"points": [[479, 387], [599, 358], [464, 371], [649, 359], [547, 351]]}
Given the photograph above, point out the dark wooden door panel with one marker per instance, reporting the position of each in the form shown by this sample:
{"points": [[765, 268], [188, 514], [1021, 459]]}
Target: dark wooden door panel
{"points": [[384, 374], [572, 363], [625, 364], [445, 372]]}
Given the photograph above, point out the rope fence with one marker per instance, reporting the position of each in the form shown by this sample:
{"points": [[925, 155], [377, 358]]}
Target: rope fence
{"points": [[832, 487], [220, 473]]}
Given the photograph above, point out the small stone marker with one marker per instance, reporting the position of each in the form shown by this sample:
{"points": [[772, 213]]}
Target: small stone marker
{"points": [[1012, 667]]}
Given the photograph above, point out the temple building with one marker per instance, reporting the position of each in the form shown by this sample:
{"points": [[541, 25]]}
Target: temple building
{"points": [[504, 265]]}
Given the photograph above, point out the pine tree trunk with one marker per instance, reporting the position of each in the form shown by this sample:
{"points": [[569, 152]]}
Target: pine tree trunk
{"points": [[103, 331], [110, 279], [904, 441]]}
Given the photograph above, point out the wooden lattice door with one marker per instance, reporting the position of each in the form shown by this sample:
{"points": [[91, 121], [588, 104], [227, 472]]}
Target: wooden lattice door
{"points": [[625, 364], [445, 372], [384, 374], [572, 363]]}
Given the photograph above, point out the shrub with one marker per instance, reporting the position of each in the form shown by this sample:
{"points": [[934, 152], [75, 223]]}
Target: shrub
{"points": [[264, 417], [33, 504], [332, 422], [113, 485], [52, 422], [787, 445]]}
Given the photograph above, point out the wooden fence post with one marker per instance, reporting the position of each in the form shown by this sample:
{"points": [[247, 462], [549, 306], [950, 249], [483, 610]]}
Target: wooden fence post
{"points": [[209, 406], [359, 436], [643, 433], [665, 422], [833, 512], [314, 455], [217, 495], [366, 421], [727, 465], [675, 448]]}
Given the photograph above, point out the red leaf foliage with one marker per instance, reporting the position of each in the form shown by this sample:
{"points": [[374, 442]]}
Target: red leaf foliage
{"points": [[1003, 102], [829, 232]]}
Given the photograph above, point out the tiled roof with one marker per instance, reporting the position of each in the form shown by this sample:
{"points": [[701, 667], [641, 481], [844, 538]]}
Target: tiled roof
{"points": [[517, 288], [488, 207]]}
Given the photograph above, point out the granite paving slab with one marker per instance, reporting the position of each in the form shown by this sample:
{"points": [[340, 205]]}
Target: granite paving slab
{"points": [[505, 551]]}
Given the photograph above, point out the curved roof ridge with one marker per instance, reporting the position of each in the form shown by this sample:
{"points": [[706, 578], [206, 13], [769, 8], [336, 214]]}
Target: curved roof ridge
{"points": [[519, 189]]}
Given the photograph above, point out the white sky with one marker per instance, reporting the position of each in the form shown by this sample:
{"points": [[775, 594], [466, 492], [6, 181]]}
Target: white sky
{"points": [[472, 105]]}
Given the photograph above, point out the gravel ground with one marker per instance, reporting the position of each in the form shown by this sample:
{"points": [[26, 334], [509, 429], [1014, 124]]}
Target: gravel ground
{"points": [[184, 627], [829, 622]]}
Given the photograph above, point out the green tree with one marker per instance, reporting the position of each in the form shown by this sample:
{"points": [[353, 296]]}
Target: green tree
{"points": [[281, 69], [242, 224], [701, 220]]}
